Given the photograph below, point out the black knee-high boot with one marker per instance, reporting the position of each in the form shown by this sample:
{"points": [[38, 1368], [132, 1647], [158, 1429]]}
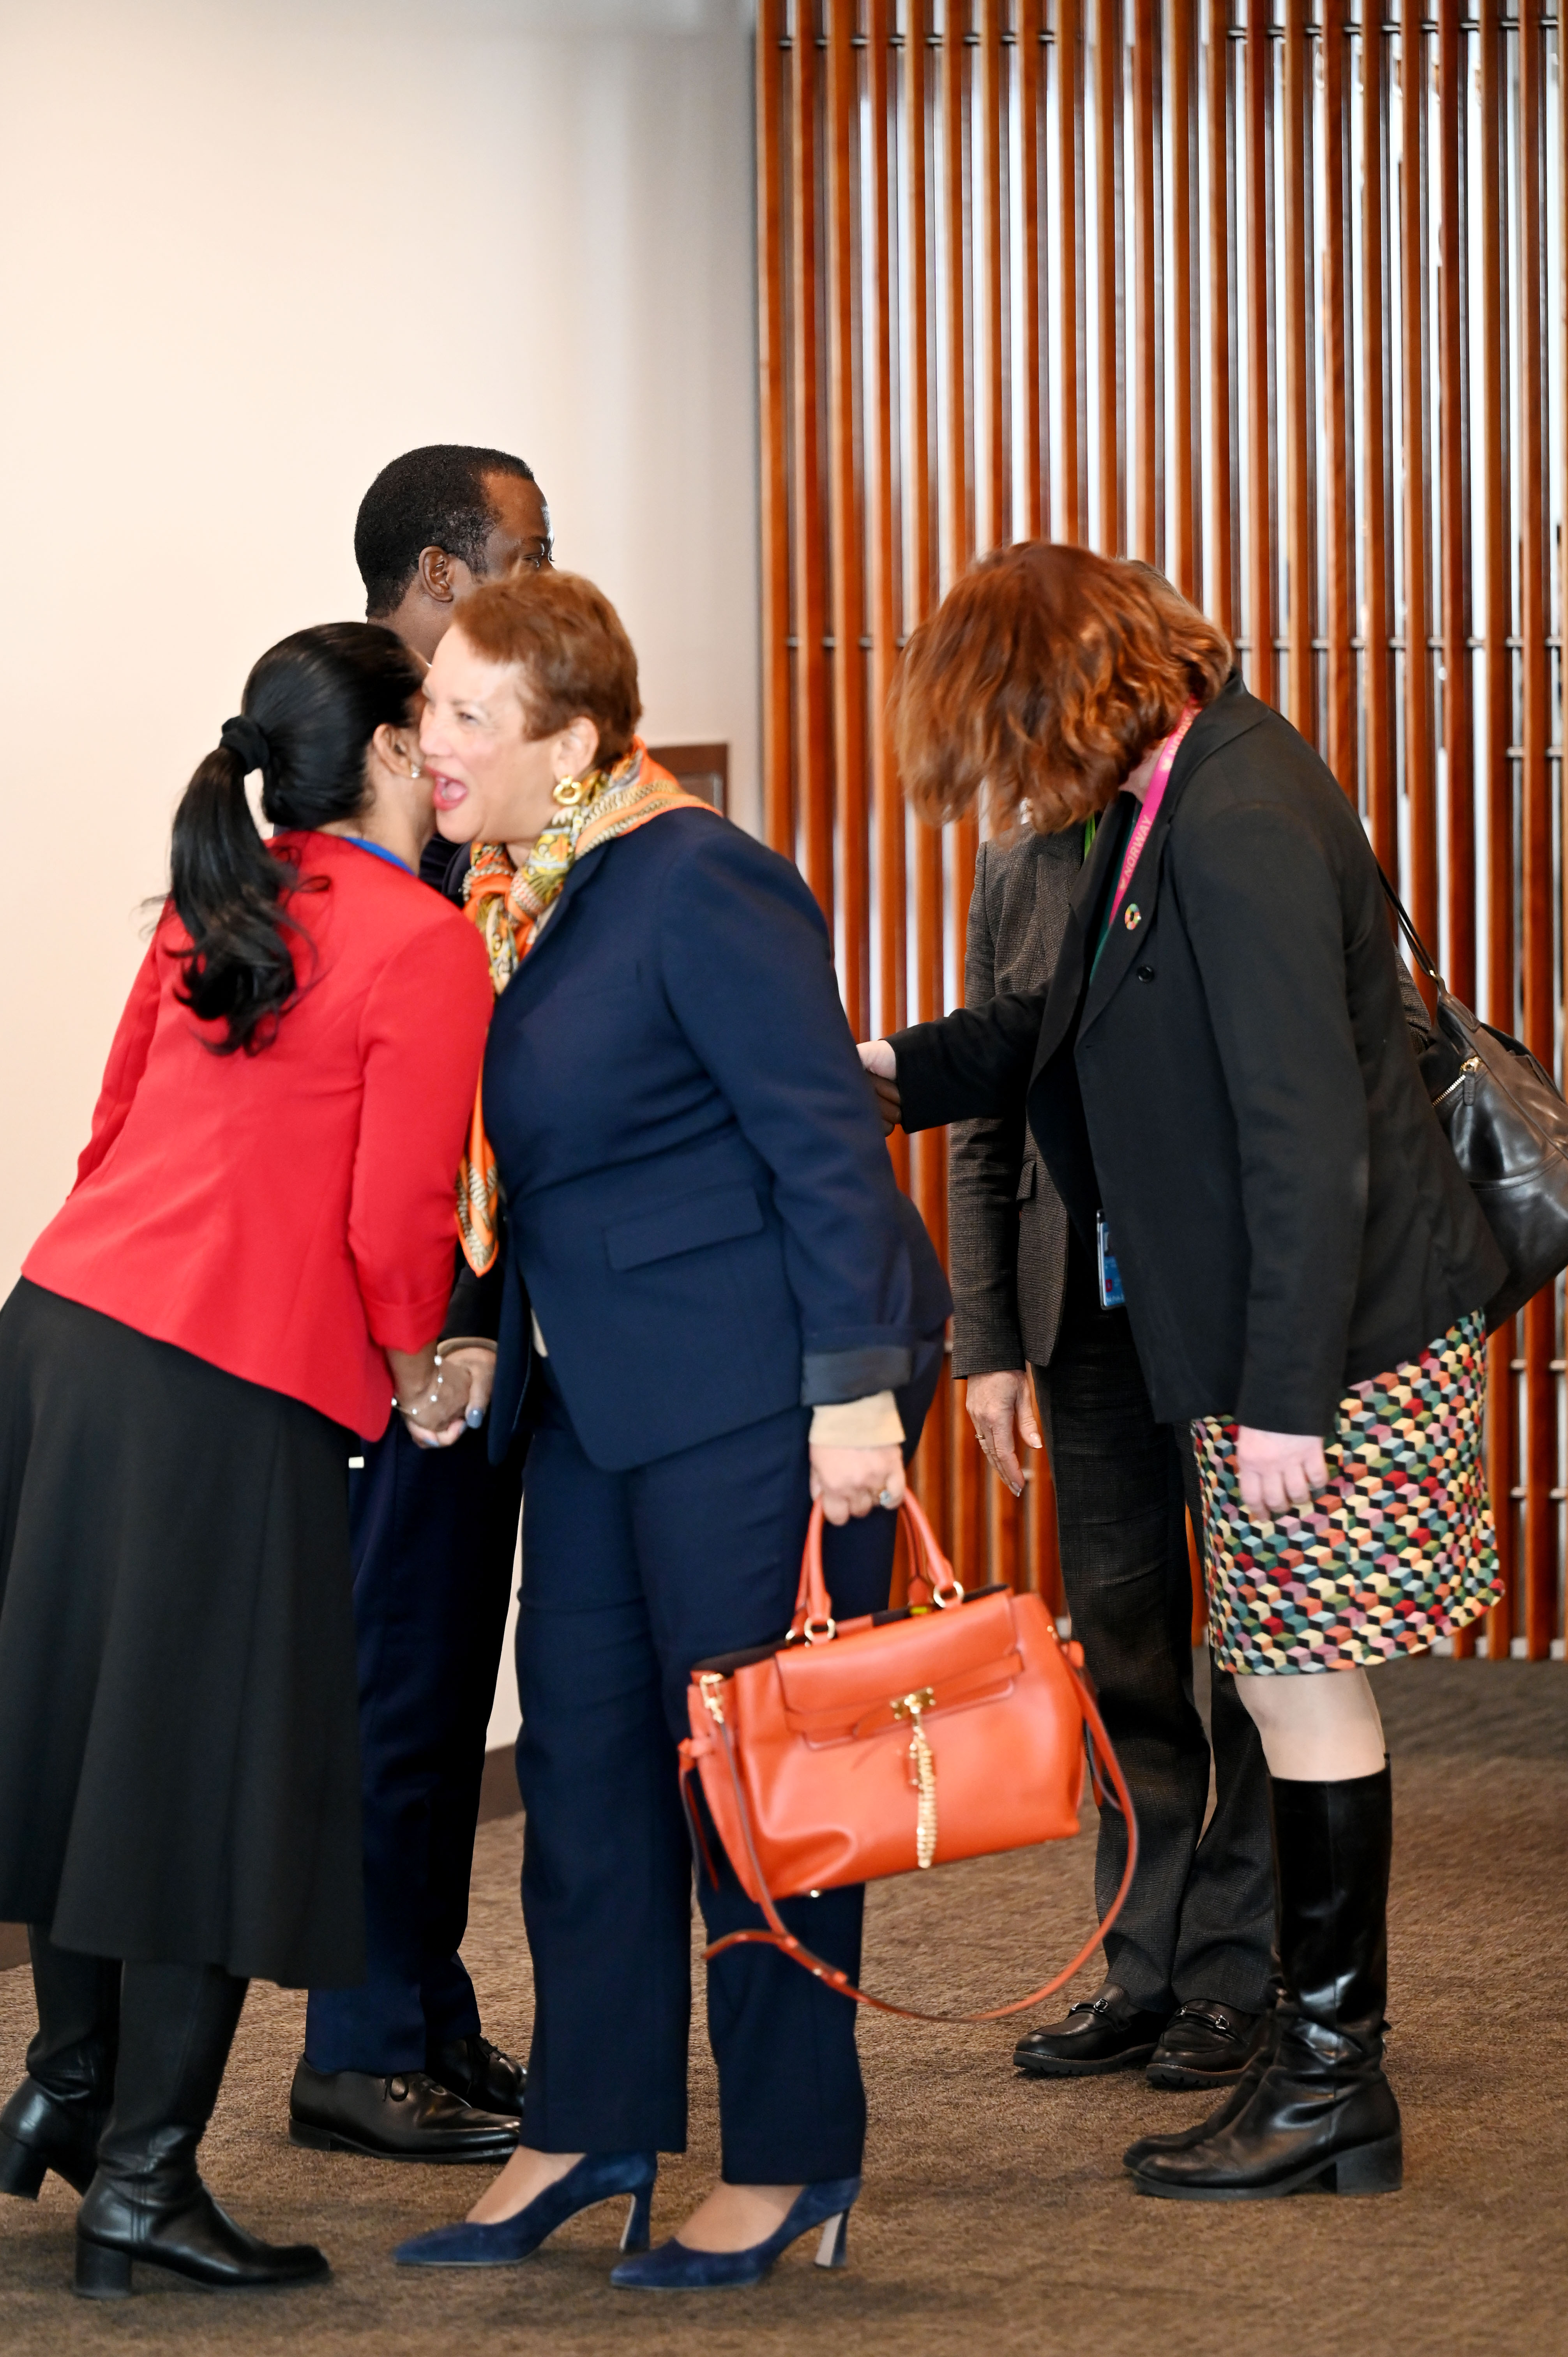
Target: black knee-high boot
{"points": [[57, 2114], [1322, 2112], [147, 2202]]}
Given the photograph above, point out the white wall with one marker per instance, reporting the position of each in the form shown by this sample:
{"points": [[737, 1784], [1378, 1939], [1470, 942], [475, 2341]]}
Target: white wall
{"points": [[249, 251]]}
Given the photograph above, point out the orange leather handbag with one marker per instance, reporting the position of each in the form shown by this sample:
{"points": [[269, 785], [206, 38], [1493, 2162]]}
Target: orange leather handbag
{"points": [[954, 1729]]}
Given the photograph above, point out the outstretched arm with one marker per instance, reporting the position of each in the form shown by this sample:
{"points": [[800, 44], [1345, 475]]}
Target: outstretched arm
{"points": [[973, 1064]]}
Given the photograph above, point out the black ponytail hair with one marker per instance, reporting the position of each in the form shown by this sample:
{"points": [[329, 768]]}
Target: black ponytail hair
{"points": [[310, 708]]}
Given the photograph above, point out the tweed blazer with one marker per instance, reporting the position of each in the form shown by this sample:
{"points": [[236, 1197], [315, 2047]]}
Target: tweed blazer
{"points": [[1007, 1226]]}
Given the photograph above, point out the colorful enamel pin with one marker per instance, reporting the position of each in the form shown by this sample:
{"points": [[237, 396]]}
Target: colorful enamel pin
{"points": [[1134, 918]]}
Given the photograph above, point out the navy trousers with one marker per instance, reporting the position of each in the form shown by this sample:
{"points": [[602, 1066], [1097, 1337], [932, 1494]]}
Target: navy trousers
{"points": [[628, 1579], [434, 1535]]}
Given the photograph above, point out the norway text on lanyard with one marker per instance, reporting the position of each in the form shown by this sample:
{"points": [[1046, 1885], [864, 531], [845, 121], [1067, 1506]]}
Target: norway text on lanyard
{"points": [[1148, 815]]}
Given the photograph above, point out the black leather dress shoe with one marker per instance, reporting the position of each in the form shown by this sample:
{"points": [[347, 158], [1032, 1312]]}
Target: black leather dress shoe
{"points": [[479, 2073], [1205, 2044], [1107, 2033], [404, 2117]]}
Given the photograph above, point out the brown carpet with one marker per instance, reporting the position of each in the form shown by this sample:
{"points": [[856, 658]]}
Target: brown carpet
{"points": [[995, 2215]]}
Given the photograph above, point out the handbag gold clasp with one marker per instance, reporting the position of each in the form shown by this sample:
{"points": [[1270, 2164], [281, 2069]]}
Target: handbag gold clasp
{"points": [[922, 1771], [710, 1683]]}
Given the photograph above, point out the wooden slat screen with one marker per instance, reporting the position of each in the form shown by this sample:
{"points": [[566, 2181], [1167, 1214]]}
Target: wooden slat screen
{"points": [[1272, 293]]}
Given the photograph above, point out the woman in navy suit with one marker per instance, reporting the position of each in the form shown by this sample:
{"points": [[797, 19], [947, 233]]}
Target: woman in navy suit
{"points": [[713, 1304]]}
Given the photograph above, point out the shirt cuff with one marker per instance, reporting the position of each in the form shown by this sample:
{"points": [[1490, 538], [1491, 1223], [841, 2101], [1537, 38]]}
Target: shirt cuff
{"points": [[870, 1423]]}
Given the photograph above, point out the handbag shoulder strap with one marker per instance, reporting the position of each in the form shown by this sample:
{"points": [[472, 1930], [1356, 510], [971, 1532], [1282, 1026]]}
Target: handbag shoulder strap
{"points": [[1424, 956]]}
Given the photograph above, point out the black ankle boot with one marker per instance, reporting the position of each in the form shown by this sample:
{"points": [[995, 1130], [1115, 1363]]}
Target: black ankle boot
{"points": [[56, 2117], [1321, 2112], [147, 2204], [151, 2208]]}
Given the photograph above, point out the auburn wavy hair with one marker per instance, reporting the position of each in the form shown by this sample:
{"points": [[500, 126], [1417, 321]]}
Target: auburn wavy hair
{"points": [[1042, 679]]}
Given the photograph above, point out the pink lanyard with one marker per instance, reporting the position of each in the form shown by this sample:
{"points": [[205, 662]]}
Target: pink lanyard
{"points": [[1151, 810]]}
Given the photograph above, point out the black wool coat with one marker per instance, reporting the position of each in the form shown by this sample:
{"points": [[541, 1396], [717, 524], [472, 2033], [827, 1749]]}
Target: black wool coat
{"points": [[1234, 1085]]}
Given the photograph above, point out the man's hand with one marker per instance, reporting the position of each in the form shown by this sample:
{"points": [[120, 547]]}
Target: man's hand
{"points": [[995, 1403], [850, 1481], [881, 1064], [1277, 1470]]}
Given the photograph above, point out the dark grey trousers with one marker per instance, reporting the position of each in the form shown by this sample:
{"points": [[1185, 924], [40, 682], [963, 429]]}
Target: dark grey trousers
{"points": [[1199, 1918]]}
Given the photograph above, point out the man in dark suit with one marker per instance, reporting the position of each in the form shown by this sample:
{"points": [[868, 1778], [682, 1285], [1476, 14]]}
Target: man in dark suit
{"points": [[399, 2067], [1187, 1966]]}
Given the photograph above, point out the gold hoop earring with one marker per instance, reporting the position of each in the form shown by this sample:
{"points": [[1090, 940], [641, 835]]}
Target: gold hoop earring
{"points": [[568, 792]]}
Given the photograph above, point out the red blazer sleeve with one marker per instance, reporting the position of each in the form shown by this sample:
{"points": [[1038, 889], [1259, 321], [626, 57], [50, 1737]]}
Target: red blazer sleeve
{"points": [[422, 1039], [128, 1062]]}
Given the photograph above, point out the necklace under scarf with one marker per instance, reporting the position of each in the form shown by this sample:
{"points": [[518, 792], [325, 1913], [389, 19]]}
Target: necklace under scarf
{"points": [[509, 905]]}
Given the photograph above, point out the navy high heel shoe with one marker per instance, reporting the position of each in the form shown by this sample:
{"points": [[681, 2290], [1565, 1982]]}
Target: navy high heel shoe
{"points": [[673, 2267], [597, 2177]]}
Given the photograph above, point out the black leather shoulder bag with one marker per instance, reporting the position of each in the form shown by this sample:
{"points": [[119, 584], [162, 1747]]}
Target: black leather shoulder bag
{"points": [[1508, 1124]]}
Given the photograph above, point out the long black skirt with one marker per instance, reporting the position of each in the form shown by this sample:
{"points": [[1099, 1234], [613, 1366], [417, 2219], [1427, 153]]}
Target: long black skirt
{"points": [[179, 1773]]}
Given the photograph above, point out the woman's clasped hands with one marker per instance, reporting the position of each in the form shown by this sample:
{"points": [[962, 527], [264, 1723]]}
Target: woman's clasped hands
{"points": [[440, 1394]]}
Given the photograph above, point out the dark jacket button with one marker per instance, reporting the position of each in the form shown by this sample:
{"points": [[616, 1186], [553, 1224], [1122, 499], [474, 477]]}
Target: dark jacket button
{"points": [[1145, 974]]}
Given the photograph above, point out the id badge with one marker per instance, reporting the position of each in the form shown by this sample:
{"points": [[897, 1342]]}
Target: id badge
{"points": [[1110, 1293]]}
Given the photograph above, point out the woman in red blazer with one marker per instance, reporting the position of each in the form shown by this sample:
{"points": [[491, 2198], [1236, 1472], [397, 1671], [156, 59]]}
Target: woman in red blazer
{"points": [[258, 1249]]}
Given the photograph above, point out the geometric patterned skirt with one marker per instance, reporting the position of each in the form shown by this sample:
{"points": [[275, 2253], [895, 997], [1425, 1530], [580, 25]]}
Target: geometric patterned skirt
{"points": [[1398, 1550]]}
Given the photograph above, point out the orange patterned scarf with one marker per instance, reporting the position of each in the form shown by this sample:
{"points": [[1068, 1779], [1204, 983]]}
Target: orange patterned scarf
{"points": [[509, 905]]}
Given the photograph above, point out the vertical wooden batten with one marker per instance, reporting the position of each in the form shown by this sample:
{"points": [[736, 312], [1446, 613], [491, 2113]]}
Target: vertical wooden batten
{"points": [[1185, 458], [1146, 535], [1072, 520], [929, 1151], [1503, 1419], [1222, 385], [1301, 700], [1377, 522], [887, 796], [851, 814], [1035, 262], [1420, 781], [1110, 242], [1541, 1513], [1457, 731], [773, 388], [995, 529], [1339, 749], [1261, 603], [813, 712]]}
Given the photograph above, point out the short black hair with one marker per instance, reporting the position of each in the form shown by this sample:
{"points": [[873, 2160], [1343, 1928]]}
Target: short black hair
{"points": [[433, 498]]}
